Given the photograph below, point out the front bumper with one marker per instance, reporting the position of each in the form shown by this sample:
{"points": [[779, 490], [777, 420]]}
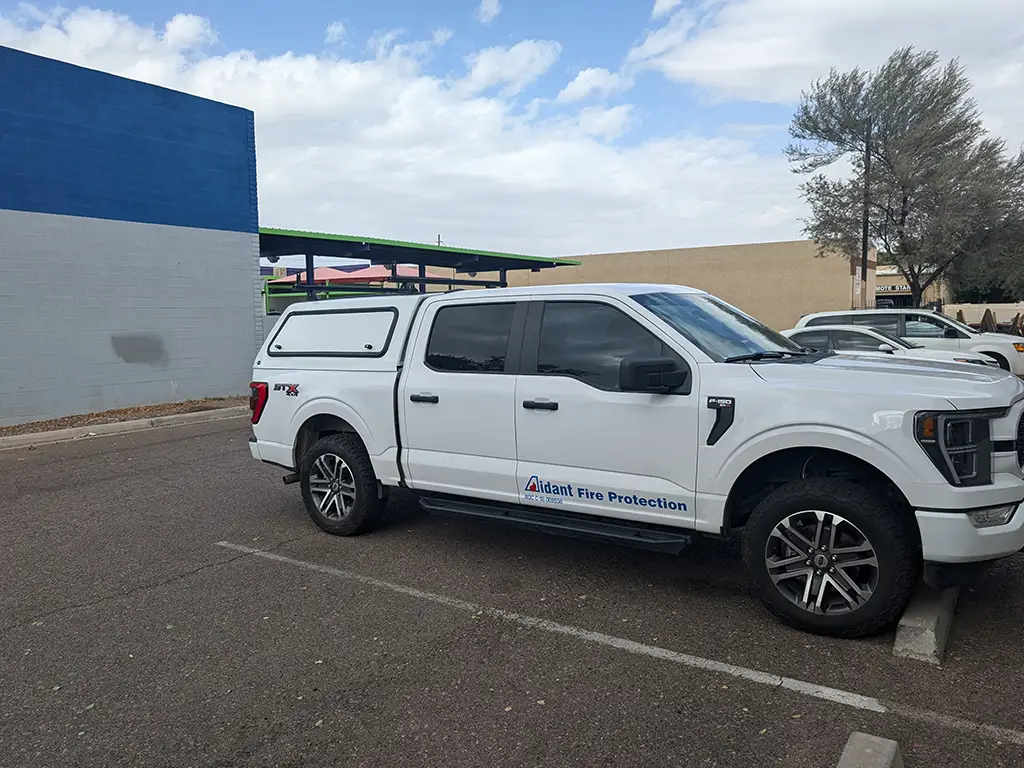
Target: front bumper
{"points": [[951, 537]]}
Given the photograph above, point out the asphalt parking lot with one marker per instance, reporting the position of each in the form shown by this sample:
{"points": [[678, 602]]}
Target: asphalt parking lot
{"points": [[166, 601]]}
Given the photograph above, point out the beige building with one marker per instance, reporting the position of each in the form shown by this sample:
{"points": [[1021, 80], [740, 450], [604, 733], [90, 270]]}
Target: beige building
{"points": [[892, 288], [774, 282]]}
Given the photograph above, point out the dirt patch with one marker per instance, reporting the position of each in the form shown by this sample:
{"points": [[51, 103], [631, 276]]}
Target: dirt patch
{"points": [[125, 414]]}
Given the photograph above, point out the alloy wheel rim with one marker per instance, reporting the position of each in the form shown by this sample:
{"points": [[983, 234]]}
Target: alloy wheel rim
{"points": [[333, 486], [822, 563]]}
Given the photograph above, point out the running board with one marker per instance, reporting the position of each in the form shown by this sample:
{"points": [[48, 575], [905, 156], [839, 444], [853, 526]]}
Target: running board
{"points": [[578, 526]]}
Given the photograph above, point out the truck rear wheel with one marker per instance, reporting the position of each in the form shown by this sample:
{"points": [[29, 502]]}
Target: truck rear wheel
{"points": [[339, 486], [830, 557]]}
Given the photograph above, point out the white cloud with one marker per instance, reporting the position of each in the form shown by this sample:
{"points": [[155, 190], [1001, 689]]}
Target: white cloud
{"points": [[609, 124], [377, 146], [594, 80], [488, 11], [187, 32], [768, 50], [515, 67], [662, 7], [335, 33]]}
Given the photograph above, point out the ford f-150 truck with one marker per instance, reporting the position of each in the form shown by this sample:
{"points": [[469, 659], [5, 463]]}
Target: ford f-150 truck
{"points": [[645, 415]]}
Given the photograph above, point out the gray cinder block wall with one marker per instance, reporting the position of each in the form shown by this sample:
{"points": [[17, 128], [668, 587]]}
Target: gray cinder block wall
{"points": [[129, 253]]}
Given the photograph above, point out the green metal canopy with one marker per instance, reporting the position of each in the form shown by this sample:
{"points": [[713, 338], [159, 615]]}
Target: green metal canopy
{"points": [[286, 242]]}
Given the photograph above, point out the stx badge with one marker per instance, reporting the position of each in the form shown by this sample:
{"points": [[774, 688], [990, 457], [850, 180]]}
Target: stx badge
{"points": [[292, 390]]}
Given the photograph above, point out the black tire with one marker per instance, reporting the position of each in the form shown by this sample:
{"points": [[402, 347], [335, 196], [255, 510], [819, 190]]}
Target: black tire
{"points": [[367, 506], [887, 532]]}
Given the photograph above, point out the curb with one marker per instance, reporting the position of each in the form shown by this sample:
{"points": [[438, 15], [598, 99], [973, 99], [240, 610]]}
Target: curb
{"points": [[119, 427], [866, 751], [924, 627]]}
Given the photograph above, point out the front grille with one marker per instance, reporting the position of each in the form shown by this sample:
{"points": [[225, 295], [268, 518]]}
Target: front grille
{"points": [[1020, 441]]}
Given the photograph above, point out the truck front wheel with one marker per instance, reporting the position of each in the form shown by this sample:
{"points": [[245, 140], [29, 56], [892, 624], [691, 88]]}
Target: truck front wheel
{"points": [[339, 486], [830, 557]]}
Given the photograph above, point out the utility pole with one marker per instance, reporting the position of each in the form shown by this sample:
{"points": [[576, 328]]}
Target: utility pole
{"points": [[866, 218]]}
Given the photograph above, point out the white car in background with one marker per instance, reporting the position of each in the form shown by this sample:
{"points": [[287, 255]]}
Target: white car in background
{"points": [[862, 340], [931, 330]]}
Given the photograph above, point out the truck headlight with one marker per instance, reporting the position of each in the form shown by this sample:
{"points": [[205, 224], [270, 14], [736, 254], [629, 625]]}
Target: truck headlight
{"points": [[959, 445], [986, 518]]}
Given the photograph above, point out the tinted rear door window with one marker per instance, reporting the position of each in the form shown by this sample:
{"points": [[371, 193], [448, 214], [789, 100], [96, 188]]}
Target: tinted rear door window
{"points": [[851, 341], [812, 339], [829, 320], [471, 338]]}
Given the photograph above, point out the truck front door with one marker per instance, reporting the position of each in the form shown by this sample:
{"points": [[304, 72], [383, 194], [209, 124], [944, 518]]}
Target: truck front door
{"points": [[583, 444], [457, 399]]}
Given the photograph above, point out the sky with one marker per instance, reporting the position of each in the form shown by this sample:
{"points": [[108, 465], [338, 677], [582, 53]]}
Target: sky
{"points": [[548, 127]]}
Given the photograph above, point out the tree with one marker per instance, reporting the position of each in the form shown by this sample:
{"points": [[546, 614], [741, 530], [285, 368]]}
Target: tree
{"points": [[995, 277], [940, 190]]}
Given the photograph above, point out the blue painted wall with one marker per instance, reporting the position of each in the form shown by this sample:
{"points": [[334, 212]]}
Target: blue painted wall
{"points": [[78, 142]]}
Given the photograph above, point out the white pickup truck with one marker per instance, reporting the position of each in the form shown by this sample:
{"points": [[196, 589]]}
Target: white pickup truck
{"points": [[645, 414]]}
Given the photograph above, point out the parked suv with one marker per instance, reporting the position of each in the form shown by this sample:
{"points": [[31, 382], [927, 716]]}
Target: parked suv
{"points": [[645, 414], [932, 330]]}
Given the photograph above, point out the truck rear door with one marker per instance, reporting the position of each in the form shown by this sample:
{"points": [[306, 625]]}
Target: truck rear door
{"points": [[456, 399]]}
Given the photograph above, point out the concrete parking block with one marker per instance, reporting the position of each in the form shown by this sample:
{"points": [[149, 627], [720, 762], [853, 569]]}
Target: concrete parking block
{"points": [[866, 751], [924, 627]]}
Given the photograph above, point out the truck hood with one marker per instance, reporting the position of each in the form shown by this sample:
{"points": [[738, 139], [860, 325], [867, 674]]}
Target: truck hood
{"points": [[964, 386]]}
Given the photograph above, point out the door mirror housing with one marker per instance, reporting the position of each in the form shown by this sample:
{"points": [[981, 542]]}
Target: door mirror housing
{"points": [[887, 348], [658, 376], [950, 333]]}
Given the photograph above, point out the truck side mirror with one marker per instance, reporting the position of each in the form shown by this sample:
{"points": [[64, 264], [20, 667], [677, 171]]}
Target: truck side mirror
{"points": [[888, 348], [658, 375], [950, 333]]}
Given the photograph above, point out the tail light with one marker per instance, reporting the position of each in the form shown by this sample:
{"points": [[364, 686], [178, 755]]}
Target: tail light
{"points": [[258, 391]]}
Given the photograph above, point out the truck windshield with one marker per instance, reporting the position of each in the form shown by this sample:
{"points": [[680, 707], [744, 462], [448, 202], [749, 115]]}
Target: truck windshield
{"points": [[718, 329]]}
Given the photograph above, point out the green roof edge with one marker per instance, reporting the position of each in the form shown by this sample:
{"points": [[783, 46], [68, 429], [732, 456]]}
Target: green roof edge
{"points": [[423, 246]]}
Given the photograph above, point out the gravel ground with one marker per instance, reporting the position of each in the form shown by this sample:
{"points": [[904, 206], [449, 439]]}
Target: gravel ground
{"points": [[124, 414]]}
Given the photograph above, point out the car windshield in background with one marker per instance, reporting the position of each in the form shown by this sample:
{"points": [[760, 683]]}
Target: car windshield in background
{"points": [[718, 329], [962, 326], [896, 341]]}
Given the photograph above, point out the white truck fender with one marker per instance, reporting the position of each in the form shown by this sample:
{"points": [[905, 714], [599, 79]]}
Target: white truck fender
{"points": [[812, 436], [325, 405], [990, 349]]}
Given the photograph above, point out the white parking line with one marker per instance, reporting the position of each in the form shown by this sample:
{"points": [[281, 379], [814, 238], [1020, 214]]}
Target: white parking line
{"points": [[834, 695]]}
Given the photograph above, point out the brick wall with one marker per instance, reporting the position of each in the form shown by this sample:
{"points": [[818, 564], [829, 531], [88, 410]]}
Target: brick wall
{"points": [[101, 314], [128, 245], [774, 282], [78, 142]]}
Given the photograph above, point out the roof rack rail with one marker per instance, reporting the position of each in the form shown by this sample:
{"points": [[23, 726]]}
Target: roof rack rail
{"points": [[275, 243]]}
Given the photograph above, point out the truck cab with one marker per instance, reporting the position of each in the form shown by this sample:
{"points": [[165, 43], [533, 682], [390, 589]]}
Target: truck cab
{"points": [[647, 414]]}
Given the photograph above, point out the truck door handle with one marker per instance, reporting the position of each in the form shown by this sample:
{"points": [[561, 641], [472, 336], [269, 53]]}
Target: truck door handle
{"points": [[424, 398], [540, 405]]}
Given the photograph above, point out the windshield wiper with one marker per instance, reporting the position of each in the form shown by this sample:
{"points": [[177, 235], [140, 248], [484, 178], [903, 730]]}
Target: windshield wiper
{"points": [[770, 355]]}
